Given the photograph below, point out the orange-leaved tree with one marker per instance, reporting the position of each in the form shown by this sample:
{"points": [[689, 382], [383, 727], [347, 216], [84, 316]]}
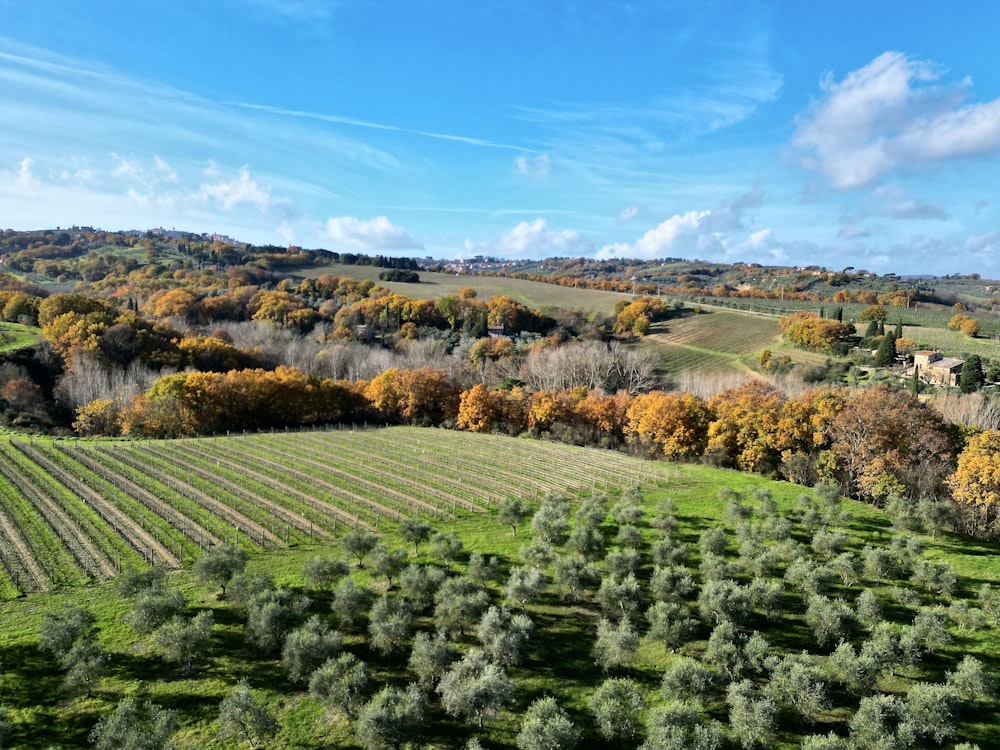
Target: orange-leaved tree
{"points": [[675, 423], [479, 409], [745, 420]]}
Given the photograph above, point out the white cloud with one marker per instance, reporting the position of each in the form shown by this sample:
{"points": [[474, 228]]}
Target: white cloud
{"points": [[627, 214], [538, 166], [233, 192], [886, 116], [698, 234], [26, 179], [680, 235], [532, 240], [377, 234]]}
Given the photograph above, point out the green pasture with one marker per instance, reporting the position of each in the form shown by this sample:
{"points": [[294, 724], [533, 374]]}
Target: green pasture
{"points": [[16, 336], [41, 715]]}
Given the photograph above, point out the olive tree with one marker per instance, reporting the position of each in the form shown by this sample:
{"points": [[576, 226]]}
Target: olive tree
{"points": [[415, 531], [513, 511], [219, 564], [546, 726], [458, 605], [430, 658], [308, 646], [391, 719], [419, 583], [152, 608], [523, 585], [183, 640], [687, 679], [504, 637], [387, 563], [272, 615], [244, 717], [671, 623], [350, 603], [751, 715], [797, 683], [359, 542], [475, 688], [615, 643], [616, 705], [135, 726], [340, 682], [322, 572], [390, 624]]}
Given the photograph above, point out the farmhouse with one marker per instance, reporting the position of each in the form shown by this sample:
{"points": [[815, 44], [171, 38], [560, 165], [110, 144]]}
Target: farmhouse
{"points": [[936, 369]]}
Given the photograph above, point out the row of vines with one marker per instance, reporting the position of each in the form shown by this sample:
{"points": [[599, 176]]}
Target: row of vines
{"points": [[76, 511]]}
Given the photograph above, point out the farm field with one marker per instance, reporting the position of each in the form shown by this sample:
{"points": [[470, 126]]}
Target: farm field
{"points": [[533, 294], [720, 341], [75, 511], [455, 474]]}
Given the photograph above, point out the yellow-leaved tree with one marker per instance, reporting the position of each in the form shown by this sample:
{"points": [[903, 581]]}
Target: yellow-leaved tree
{"points": [[975, 485]]}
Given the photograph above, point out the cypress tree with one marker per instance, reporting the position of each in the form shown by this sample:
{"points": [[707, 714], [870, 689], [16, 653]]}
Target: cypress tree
{"points": [[886, 353]]}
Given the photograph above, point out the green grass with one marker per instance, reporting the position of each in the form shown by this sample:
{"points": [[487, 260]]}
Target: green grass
{"points": [[560, 664], [533, 294], [15, 336]]}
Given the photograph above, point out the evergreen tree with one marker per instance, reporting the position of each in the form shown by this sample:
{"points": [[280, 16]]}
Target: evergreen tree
{"points": [[886, 353], [972, 377]]}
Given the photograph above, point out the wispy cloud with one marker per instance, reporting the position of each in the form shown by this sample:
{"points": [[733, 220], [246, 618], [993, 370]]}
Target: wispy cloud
{"points": [[538, 166], [891, 115], [294, 11], [342, 120]]}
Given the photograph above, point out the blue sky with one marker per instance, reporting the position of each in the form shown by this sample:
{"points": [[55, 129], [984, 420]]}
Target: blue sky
{"points": [[835, 133]]}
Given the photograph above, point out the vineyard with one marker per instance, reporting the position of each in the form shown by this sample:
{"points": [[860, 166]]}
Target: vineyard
{"points": [[713, 341], [77, 511]]}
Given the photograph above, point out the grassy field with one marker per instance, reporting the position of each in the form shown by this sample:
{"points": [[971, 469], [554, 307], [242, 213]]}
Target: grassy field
{"points": [[534, 294], [16, 336], [41, 714], [720, 341]]}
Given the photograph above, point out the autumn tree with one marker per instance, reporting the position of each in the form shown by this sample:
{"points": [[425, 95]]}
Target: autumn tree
{"points": [[975, 484], [745, 418], [479, 409], [966, 324], [676, 424], [886, 442], [807, 330]]}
